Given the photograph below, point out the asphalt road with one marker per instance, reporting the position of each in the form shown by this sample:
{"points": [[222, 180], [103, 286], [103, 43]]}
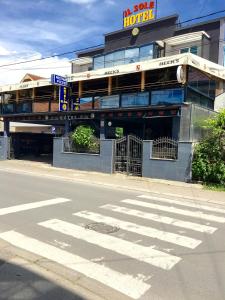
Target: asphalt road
{"points": [[124, 245]]}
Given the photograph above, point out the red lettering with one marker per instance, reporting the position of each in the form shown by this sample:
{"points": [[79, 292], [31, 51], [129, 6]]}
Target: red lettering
{"points": [[141, 6], [135, 8], [151, 4]]}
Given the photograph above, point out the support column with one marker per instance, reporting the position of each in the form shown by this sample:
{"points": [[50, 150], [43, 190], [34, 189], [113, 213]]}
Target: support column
{"points": [[109, 86], [80, 89], [142, 81], [67, 128], [102, 129], [6, 128]]}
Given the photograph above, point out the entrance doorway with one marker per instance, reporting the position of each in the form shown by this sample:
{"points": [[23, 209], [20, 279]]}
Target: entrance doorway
{"points": [[128, 155]]}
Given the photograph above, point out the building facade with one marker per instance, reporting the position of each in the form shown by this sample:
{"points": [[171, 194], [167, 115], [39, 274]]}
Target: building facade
{"points": [[159, 79]]}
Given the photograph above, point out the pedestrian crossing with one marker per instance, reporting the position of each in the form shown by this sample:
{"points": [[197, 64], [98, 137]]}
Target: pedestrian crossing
{"points": [[127, 215]]}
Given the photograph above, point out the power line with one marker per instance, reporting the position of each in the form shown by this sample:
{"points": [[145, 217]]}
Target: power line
{"points": [[202, 17], [50, 56]]}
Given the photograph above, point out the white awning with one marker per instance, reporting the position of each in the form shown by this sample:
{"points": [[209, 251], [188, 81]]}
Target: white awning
{"points": [[153, 64], [186, 38]]}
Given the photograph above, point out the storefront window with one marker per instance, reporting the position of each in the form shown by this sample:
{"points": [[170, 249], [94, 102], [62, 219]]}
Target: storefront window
{"points": [[146, 52], [165, 97], [107, 102], [135, 99]]}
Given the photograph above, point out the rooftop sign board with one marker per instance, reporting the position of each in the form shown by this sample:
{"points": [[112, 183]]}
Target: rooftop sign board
{"points": [[140, 13]]}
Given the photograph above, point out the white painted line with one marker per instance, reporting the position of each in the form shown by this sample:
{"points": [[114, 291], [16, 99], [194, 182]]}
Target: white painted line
{"points": [[161, 219], [143, 230], [145, 254], [123, 283], [32, 205], [174, 210], [180, 196], [196, 205]]}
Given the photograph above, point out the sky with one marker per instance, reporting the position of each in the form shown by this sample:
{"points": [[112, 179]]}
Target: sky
{"points": [[32, 29]]}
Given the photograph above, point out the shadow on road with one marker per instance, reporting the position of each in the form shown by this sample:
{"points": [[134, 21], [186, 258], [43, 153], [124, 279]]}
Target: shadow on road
{"points": [[20, 283]]}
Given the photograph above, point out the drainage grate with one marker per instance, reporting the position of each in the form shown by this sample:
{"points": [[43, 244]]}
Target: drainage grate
{"points": [[102, 228]]}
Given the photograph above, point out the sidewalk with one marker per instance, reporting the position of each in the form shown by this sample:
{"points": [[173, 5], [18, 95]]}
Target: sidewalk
{"points": [[118, 181]]}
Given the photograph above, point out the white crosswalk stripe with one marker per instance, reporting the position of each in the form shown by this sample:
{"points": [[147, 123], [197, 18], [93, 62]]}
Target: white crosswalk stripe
{"points": [[170, 237], [160, 219], [124, 283], [145, 254], [174, 210], [32, 205], [195, 204]]}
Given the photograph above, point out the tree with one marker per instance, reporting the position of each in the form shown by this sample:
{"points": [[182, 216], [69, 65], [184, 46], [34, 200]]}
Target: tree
{"points": [[209, 155]]}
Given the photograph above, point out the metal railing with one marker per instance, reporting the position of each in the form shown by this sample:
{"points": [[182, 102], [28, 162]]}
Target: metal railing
{"points": [[165, 148], [70, 147]]}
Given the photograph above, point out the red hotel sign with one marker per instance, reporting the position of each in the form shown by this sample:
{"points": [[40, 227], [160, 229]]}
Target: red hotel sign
{"points": [[140, 13]]}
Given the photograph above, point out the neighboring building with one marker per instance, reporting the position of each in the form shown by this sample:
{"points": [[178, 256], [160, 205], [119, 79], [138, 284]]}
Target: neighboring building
{"points": [[155, 80]]}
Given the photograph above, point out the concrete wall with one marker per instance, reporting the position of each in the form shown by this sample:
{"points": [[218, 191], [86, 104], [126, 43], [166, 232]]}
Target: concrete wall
{"points": [[3, 148], [102, 162], [179, 170]]}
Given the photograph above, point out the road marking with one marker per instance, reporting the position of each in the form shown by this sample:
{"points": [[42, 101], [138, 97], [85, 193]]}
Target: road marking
{"points": [[145, 254], [161, 219], [174, 210], [143, 230], [124, 283], [32, 205], [188, 204]]}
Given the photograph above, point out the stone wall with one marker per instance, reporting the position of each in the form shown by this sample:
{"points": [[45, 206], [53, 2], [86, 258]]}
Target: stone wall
{"points": [[3, 148], [179, 169], [102, 162]]}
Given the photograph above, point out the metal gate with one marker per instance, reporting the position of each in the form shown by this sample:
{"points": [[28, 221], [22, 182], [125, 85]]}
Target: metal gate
{"points": [[128, 155]]}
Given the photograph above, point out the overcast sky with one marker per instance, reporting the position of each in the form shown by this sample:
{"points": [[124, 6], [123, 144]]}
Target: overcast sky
{"points": [[35, 28]]}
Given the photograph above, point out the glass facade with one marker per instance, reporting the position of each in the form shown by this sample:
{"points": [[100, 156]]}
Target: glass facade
{"points": [[107, 102], [135, 99], [125, 56], [169, 96]]}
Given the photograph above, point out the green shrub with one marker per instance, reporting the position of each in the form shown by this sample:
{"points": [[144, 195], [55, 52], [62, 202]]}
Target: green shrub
{"points": [[209, 155], [84, 139]]}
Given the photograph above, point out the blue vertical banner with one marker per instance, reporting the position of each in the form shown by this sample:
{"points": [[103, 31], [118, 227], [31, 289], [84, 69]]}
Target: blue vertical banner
{"points": [[76, 103], [63, 98]]}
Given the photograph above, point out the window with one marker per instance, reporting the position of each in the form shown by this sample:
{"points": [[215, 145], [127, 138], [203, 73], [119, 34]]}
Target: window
{"points": [[126, 56], [184, 50], [135, 99], [192, 49], [165, 97], [109, 60], [131, 55], [119, 58], [99, 62], [107, 101], [86, 103], [146, 52]]}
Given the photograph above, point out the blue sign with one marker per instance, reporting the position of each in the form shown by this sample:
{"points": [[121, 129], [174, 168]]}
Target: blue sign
{"points": [[58, 80], [75, 103], [63, 98]]}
